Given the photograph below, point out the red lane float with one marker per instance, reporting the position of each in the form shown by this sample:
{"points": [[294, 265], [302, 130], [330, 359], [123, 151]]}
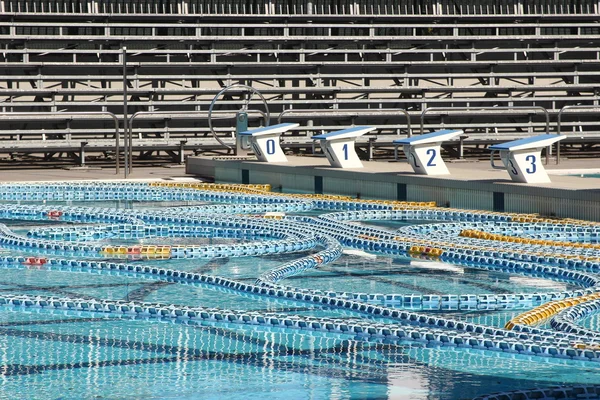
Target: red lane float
{"points": [[55, 214], [35, 261]]}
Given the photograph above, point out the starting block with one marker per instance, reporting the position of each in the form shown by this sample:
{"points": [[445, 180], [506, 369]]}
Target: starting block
{"points": [[522, 158], [265, 141], [338, 146], [423, 151]]}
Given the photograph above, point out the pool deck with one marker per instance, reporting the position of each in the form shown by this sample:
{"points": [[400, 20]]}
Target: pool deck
{"points": [[58, 174], [471, 184], [475, 170], [459, 170]]}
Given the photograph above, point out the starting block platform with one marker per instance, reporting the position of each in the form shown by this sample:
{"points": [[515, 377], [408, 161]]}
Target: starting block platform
{"points": [[522, 158], [423, 151], [338, 146], [265, 141]]}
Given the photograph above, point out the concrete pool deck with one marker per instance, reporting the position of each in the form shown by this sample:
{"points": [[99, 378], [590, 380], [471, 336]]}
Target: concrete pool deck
{"points": [[471, 184], [76, 174]]}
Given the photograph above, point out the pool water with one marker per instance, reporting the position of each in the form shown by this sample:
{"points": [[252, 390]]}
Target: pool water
{"points": [[66, 354], [588, 175]]}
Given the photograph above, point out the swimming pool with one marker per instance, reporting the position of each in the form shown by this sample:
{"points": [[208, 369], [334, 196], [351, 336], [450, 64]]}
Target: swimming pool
{"points": [[137, 290]]}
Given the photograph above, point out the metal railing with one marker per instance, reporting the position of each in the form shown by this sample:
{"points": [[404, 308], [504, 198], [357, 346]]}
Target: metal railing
{"points": [[559, 121], [503, 110], [167, 115], [472, 110], [238, 87], [25, 116], [341, 8], [350, 113]]}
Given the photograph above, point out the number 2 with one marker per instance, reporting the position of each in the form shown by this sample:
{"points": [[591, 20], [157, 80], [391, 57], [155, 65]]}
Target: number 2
{"points": [[432, 153]]}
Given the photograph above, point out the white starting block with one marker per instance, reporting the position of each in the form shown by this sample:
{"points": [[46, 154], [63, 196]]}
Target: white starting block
{"points": [[265, 141], [423, 151], [338, 146], [522, 158]]}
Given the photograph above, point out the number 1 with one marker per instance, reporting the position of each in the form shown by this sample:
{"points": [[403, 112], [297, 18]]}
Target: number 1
{"points": [[345, 148]]}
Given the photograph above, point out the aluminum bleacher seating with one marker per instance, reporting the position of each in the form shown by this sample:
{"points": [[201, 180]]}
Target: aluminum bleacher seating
{"points": [[350, 62]]}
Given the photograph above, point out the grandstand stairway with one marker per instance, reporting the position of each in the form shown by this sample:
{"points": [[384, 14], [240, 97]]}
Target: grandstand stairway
{"points": [[335, 63]]}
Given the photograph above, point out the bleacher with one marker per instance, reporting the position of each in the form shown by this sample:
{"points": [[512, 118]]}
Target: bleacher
{"points": [[326, 64]]}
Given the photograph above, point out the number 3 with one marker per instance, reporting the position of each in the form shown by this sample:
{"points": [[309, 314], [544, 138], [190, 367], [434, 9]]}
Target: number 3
{"points": [[533, 168]]}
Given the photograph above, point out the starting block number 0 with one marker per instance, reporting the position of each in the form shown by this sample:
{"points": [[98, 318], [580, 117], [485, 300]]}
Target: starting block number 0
{"points": [[532, 169], [271, 146]]}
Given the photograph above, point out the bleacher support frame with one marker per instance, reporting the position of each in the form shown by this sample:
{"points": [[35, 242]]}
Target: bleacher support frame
{"points": [[348, 58]]}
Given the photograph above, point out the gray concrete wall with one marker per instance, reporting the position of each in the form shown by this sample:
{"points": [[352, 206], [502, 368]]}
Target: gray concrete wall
{"points": [[566, 197]]}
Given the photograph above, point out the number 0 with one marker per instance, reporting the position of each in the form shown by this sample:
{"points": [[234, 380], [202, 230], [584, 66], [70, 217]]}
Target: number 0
{"points": [[270, 146]]}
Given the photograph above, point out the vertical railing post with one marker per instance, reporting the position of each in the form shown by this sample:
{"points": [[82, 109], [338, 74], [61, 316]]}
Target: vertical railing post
{"points": [[125, 130], [559, 122]]}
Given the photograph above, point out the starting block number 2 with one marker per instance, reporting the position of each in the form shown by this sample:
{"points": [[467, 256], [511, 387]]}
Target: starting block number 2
{"points": [[430, 163]]}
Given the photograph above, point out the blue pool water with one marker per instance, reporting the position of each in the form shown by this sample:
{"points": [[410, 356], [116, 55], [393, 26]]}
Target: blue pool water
{"points": [[71, 354], [588, 175]]}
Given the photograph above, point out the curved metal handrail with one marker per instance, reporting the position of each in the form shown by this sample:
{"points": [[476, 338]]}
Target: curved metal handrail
{"points": [[244, 108], [566, 108], [166, 114]]}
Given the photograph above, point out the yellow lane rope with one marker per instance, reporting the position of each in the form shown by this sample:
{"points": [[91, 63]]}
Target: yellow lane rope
{"points": [[542, 313]]}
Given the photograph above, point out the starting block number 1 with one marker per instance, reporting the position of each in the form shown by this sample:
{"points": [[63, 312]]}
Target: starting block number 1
{"points": [[345, 149]]}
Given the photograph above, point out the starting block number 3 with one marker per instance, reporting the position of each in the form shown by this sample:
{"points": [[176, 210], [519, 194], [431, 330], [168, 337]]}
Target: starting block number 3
{"points": [[521, 158], [531, 167]]}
